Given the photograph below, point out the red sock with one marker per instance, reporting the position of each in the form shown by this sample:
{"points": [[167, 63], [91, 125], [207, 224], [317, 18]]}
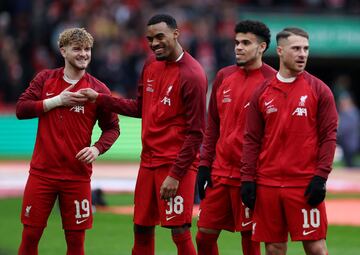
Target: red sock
{"points": [[30, 240], [184, 244], [75, 242], [207, 243], [249, 247], [144, 244]]}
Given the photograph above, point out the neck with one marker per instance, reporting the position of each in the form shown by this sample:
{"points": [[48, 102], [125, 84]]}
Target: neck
{"points": [[255, 65], [287, 73], [73, 74], [177, 52]]}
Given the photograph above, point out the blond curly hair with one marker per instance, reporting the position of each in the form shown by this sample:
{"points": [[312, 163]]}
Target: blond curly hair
{"points": [[75, 35]]}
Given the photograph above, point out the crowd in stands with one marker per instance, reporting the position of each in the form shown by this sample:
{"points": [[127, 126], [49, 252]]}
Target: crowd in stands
{"points": [[29, 32]]}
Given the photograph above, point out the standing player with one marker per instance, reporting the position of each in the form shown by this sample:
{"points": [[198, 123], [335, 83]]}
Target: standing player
{"points": [[221, 206], [289, 146], [61, 163], [171, 102]]}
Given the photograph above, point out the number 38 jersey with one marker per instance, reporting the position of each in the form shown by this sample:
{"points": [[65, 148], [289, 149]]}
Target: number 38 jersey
{"points": [[291, 129]]}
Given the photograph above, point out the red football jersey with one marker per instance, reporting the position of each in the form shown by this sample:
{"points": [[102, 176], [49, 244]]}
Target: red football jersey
{"points": [[171, 102], [230, 99], [64, 131], [290, 132]]}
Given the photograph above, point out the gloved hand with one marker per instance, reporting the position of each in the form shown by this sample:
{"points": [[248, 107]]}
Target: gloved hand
{"points": [[203, 180], [316, 190], [248, 194]]}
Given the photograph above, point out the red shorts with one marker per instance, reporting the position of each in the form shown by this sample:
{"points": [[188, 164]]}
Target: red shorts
{"points": [[150, 210], [74, 201], [222, 209], [279, 211]]}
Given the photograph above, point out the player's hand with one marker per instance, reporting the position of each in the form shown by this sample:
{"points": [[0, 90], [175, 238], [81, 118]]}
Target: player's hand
{"points": [[203, 180], [316, 190], [89, 93], [88, 154], [72, 98], [248, 194], [169, 188]]}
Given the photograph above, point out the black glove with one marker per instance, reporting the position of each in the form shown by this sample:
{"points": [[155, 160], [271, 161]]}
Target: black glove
{"points": [[316, 190], [248, 194], [203, 180]]}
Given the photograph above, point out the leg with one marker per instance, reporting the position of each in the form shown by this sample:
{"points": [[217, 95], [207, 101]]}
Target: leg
{"points": [[30, 240], [182, 238], [144, 240], [249, 247], [276, 248], [317, 247], [75, 242], [206, 240]]}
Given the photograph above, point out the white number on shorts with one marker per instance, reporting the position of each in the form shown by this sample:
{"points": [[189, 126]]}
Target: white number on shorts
{"points": [[314, 218], [175, 205], [85, 207]]}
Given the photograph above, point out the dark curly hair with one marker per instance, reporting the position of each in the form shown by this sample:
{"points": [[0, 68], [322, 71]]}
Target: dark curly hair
{"points": [[257, 28]]}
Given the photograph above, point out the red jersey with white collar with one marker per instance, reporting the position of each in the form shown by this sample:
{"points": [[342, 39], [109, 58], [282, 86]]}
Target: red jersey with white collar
{"points": [[291, 131], [171, 102], [230, 99], [64, 131]]}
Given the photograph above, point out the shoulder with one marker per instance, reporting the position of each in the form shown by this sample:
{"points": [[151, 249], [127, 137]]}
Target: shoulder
{"points": [[97, 84], [316, 84], [267, 71], [191, 70]]}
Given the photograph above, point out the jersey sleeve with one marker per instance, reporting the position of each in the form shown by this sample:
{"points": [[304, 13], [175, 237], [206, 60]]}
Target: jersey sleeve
{"points": [[123, 106], [109, 124], [194, 101], [253, 134], [30, 103], [212, 131], [327, 126]]}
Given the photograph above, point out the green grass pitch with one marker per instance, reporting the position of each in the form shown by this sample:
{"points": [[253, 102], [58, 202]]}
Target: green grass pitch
{"points": [[112, 234]]}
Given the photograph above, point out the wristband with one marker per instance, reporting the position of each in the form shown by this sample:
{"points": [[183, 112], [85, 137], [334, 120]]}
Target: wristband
{"points": [[51, 103]]}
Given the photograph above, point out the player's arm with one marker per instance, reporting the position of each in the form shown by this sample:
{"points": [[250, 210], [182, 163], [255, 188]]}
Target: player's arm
{"points": [[253, 135], [194, 100], [109, 125], [327, 119], [30, 104], [212, 133]]}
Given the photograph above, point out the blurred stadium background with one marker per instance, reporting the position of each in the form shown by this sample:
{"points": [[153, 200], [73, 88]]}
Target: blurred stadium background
{"points": [[28, 37]]}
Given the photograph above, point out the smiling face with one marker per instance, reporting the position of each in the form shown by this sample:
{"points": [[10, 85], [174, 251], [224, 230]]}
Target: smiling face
{"points": [[162, 41], [293, 52], [77, 56], [248, 50]]}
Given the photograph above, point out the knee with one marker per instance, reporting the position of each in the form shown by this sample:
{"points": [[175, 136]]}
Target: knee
{"points": [[179, 230], [315, 247], [138, 229], [32, 234], [275, 248]]}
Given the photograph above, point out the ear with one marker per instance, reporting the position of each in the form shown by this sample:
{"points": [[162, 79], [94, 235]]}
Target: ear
{"points": [[279, 50], [63, 51], [262, 46], [176, 33]]}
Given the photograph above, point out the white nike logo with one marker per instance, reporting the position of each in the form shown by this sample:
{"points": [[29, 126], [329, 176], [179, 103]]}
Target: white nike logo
{"points": [[81, 221], [247, 105], [49, 94], [267, 103], [305, 233], [244, 224], [226, 91], [148, 80], [169, 218]]}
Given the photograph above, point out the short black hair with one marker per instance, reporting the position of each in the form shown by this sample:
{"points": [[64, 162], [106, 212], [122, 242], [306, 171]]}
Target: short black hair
{"points": [[286, 32], [169, 20], [257, 28]]}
